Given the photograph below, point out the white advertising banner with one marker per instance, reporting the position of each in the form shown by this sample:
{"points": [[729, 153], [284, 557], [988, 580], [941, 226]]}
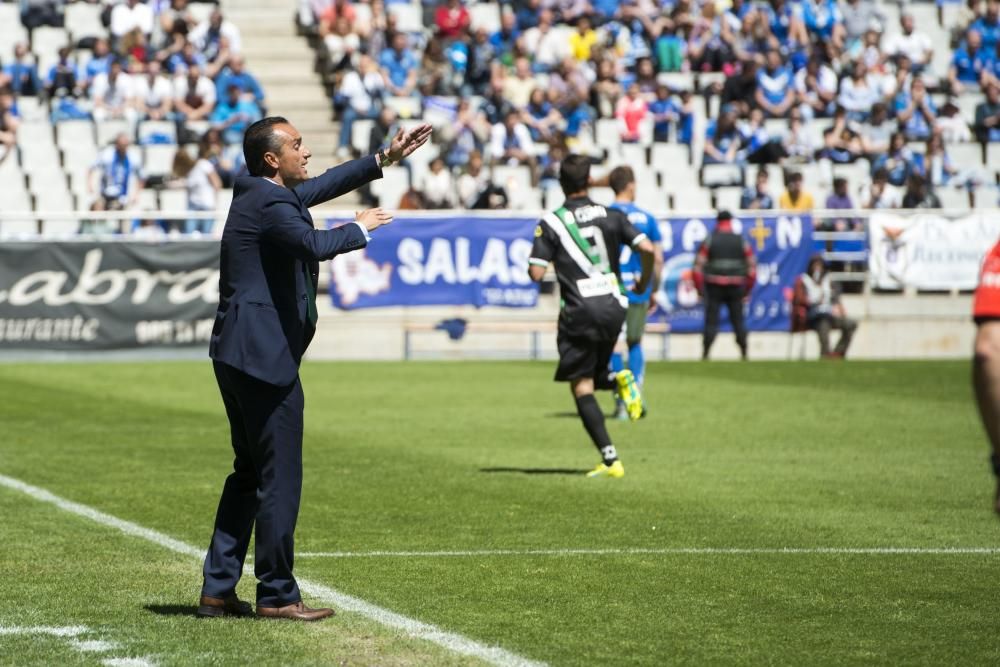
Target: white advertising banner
{"points": [[929, 250]]}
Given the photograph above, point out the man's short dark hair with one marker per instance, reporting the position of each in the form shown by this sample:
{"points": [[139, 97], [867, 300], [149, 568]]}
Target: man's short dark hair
{"points": [[574, 174], [260, 139], [620, 178]]}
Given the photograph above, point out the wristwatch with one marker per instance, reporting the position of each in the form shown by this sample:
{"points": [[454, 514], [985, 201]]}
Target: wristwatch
{"points": [[383, 159]]}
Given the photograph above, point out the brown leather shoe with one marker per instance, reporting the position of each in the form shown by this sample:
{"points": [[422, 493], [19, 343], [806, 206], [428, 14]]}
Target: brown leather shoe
{"points": [[230, 605], [295, 612]]}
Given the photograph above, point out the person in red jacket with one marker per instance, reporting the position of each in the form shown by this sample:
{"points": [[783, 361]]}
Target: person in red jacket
{"points": [[452, 20], [725, 270], [986, 362]]}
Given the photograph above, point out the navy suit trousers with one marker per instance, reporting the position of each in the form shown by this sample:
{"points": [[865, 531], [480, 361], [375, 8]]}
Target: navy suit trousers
{"points": [[264, 488]]}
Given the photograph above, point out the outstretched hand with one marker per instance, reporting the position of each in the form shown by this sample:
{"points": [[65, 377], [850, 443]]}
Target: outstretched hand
{"points": [[405, 142], [373, 218]]}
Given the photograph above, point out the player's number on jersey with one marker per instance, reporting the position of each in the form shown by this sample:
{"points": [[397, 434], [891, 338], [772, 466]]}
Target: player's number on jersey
{"points": [[596, 239]]}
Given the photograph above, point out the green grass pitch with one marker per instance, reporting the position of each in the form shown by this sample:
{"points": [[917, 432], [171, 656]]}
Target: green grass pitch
{"points": [[426, 457]]}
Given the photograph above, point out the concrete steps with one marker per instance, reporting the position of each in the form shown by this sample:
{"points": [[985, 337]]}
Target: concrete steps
{"points": [[284, 64]]}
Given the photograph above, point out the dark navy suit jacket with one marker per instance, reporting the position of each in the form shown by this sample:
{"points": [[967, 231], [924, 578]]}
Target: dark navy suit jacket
{"points": [[269, 247]]}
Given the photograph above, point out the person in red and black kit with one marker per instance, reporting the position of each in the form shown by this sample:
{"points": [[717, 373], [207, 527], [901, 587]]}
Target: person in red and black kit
{"points": [[725, 270], [986, 362]]}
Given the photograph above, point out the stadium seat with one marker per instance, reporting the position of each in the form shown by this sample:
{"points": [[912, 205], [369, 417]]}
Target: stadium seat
{"points": [[107, 130], [691, 200], [200, 11], [985, 198], [554, 198], [173, 201], [32, 109], [31, 132], [676, 80], [967, 103], [78, 178], [158, 160], [147, 200], [360, 134], [665, 157], [485, 15], [954, 199], [516, 180], [161, 128], [390, 188], [420, 161], [405, 107], [714, 175], [45, 177], [53, 199], [728, 198], [45, 44], [11, 30], [603, 196], [608, 136], [84, 20], [39, 157], [74, 133], [634, 155], [966, 154], [198, 127], [60, 228], [993, 154], [222, 203], [408, 17]]}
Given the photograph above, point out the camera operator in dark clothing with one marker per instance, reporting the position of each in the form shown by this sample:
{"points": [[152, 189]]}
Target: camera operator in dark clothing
{"points": [[725, 270]]}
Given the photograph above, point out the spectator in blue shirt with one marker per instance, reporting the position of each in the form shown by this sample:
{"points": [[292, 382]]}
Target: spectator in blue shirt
{"points": [[775, 93], [787, 26], [236, 74], [915, 111], [578, 116], [987, 125], [898, 162], [722, 139], [967, 62], [988, 25], [65, 78], [505, 39], [665, 112], [757, 197], [399, 66], [23, 73], [824, 19], [100, 63], [234, 114], [185, 59]]}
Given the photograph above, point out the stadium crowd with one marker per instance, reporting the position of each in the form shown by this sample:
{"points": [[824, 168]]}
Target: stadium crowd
{"points": [[552, 70], [804, 85]]}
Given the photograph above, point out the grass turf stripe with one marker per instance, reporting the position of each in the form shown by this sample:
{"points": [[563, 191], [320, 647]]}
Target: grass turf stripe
{"points": [[448, 640]]}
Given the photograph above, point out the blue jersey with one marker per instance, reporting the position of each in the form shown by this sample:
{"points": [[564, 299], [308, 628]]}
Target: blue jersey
{"points": [[631, 267]]}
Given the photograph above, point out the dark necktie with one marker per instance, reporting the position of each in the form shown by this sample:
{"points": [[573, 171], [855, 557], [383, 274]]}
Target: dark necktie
{"points": [[311, 315]]}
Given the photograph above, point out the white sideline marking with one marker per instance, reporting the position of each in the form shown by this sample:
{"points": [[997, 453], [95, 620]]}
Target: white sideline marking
{"points": [[452, 641], [707, 551], [93, 645], [65, 631], [127, 662]]}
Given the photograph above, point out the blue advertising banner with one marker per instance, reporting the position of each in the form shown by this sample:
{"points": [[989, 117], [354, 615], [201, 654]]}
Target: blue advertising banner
{"points": [[418, 261], [782, 244]]}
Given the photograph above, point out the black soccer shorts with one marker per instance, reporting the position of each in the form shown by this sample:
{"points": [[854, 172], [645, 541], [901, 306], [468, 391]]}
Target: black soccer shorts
{"points": [[585, 358]]}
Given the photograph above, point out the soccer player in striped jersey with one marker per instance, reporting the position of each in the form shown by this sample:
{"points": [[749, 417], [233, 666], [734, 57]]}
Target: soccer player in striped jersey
{"points": [[584, 241]]}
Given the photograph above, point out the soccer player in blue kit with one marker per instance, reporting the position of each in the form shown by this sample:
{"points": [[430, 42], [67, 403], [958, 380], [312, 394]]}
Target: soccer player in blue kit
{"points": [[622, 181]]}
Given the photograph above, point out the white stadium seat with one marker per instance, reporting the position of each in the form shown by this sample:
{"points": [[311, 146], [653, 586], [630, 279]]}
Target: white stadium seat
{"points": [[361, 132], [158, 160], [173, 200], [485, 15], [84, 20], [391, 187], [408, 17], [73, 133], [107, 130]]}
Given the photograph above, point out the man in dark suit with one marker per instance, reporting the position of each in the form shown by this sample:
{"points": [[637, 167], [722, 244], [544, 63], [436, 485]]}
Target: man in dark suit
{"points": [[267, 315]]}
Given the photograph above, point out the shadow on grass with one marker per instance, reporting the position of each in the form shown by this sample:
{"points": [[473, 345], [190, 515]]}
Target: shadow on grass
{"points": [[537, 471], [563, 415], [174, 609]]}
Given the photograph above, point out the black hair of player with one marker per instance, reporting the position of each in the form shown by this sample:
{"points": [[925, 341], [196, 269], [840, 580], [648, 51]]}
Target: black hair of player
{"points": [[574, 174], [259, 139], [620, 178]]}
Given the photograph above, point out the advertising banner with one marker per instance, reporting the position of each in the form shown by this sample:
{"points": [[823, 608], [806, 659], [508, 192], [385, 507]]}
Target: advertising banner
{"points": [[453, 260], [782, 245], [928, 250], [103, 296]]}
